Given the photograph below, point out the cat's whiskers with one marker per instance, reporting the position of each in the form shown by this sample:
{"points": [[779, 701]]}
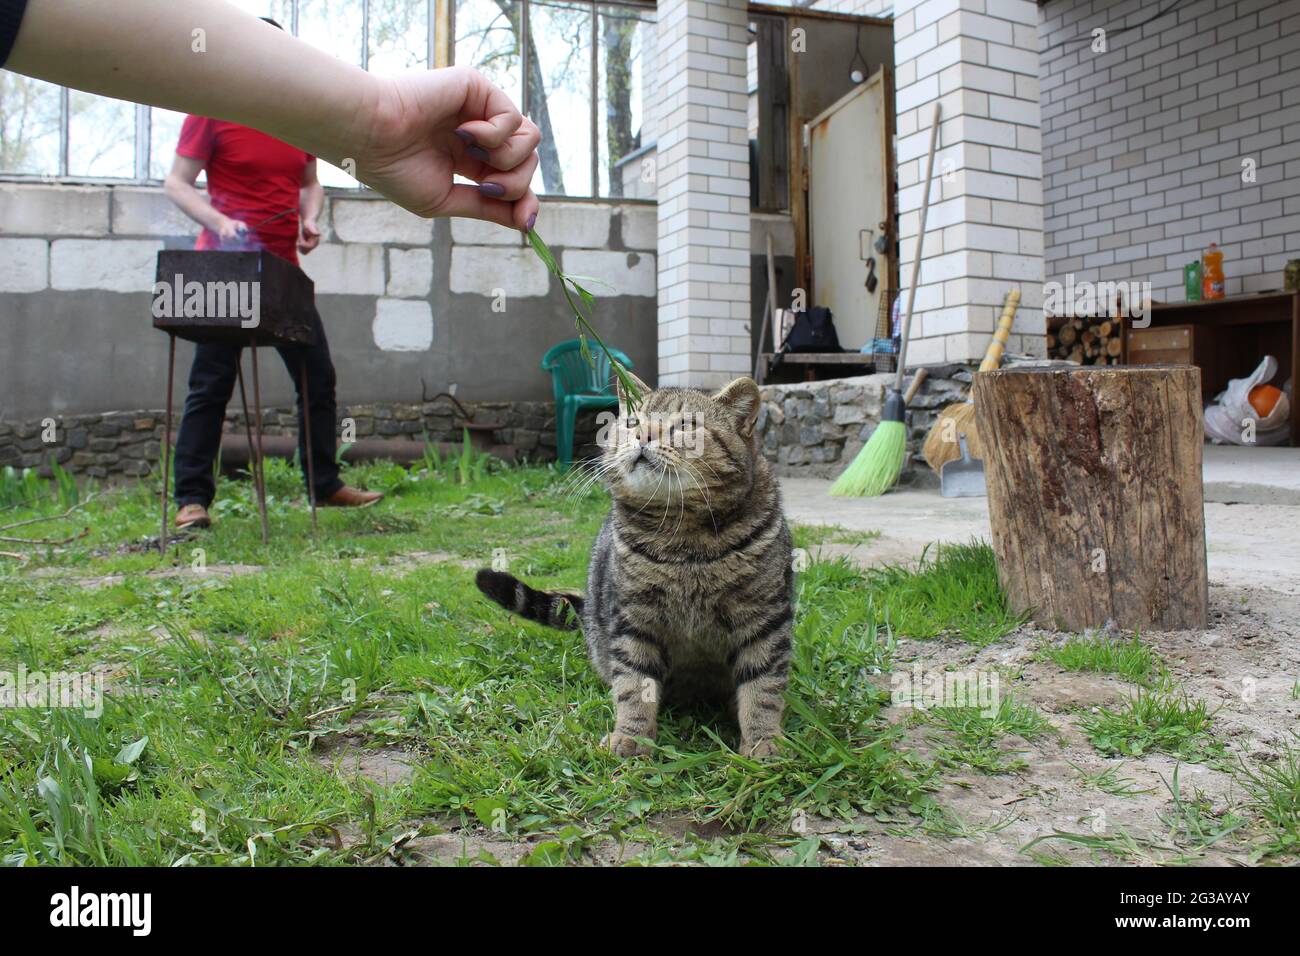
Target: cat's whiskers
{"points": [[588, 474], [682, 516], [579, 478], [704, 491]]}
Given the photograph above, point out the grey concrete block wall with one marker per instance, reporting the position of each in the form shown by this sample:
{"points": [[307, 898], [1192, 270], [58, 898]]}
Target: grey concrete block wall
{"points": [[1144, 144], [411, 306]]}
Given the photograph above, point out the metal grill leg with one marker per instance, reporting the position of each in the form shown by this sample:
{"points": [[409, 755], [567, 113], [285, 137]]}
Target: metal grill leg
{"points": [[248, 423], [167, 445], [260, 476], [311, 468]]}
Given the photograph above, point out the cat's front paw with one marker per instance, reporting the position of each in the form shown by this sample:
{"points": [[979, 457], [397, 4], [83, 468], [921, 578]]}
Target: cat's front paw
{"points": [[758, 748], [621, 745]]}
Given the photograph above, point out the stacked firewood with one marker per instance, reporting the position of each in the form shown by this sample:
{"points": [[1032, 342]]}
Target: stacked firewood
{"points": [[1085, 341]]}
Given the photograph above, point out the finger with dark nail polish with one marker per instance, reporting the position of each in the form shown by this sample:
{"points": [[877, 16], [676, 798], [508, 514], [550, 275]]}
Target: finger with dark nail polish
{"points": [[492, 190], [478, 152], [464, 136], [531, 219]]}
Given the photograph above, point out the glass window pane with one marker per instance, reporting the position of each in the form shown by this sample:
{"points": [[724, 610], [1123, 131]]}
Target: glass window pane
{"points": [[559, 95], [487, 39], [334, 26], [29, 126], [399, 35], [101, 137], [164, 132], [626, 42]]}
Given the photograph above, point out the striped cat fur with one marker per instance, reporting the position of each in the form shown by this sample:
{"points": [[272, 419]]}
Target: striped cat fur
{"points": [[690, 584]]}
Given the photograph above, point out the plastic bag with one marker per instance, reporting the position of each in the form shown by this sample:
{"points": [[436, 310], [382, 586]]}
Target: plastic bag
{"points": [[1232, 420]]}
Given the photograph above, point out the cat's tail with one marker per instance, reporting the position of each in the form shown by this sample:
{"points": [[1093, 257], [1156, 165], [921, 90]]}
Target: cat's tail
{"points": [[559, 609]]}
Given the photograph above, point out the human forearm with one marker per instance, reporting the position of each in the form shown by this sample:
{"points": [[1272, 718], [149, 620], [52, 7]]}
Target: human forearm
{"points": [[311, 200], [194, 204], [408, 136], [200, 57]]}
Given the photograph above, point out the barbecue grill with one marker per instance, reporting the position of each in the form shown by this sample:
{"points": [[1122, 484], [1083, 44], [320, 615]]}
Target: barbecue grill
{"points": [[249, 299]]}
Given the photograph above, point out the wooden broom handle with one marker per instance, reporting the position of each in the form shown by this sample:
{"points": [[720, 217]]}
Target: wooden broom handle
{"points": [[993, 357], [920, 242], [915, 387]]}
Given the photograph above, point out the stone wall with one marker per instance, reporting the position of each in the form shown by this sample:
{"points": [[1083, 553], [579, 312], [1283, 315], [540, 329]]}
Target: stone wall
{"points": [[116, 445], [804, 428], [816, 428]]}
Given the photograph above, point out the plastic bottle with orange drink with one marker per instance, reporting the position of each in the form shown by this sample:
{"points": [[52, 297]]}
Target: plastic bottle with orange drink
{"points": [[1212, 273]]}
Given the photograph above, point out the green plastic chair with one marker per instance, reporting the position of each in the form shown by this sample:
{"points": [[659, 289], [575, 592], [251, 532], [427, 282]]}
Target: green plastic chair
{"points": [[579, 385]]}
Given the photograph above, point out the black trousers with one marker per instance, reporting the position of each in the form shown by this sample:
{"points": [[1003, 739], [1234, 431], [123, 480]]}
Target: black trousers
{"points": [[212, 381]]}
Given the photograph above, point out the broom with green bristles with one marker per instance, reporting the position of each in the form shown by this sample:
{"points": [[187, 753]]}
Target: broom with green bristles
{"points": [[879, 462]]}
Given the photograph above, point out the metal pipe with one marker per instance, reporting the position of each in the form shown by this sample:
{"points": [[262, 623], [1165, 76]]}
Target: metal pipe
{"points": [[260, 475], [305, 398], [248, 422], [167, 444]]}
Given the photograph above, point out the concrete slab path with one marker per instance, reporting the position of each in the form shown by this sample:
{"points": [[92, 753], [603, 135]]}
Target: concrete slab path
{"points": [[1248, 545]]}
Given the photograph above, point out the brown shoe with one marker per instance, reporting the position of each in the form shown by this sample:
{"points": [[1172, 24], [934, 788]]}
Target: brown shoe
{"points": [[193, 516], [347, 497]]}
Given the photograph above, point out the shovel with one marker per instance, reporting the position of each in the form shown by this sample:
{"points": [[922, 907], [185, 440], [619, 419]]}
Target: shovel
{"points": [[962, 478]]}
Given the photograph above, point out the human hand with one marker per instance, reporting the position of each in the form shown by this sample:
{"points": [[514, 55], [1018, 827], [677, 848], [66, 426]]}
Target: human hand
{"points": [[429, 126], [308, 236], [230, 230]]}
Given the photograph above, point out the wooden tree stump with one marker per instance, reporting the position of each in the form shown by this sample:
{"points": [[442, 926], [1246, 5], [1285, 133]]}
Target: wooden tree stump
{"points": [[1095, 501]]}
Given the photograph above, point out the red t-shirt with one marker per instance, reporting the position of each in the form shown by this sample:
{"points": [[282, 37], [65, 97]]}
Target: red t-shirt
{"points": [[251, 177]]}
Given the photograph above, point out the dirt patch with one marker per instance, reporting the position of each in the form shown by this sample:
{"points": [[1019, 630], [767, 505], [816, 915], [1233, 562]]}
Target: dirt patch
{"points": [[477, 846], [1245, 670], [388, 766], [403, 564]]}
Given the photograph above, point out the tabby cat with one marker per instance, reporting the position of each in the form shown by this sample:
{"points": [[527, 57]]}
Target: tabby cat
{"points": [[690, 586]]}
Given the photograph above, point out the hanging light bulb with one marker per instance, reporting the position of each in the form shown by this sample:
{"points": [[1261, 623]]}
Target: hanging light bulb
{"points": [[858, 73]]}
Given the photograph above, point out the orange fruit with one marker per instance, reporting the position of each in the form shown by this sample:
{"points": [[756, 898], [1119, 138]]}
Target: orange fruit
{"points": [[1263, 398]]}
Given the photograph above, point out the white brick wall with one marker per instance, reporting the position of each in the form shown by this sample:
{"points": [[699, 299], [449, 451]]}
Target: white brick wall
{"points": [[513, 270], [402, 325], [114, 265], [616, 273], [27, 209], [346, 268], [703, 191], [24, 265], [1143, 144], [979, 59], [364, 220], [410, 273], [72, 238]]}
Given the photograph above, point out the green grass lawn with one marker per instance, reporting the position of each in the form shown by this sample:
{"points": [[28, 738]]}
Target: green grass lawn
{"points": [[242, 678]]}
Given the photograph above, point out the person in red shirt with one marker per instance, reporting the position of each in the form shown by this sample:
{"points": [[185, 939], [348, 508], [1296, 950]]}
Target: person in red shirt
{"points": [[262, 194]]}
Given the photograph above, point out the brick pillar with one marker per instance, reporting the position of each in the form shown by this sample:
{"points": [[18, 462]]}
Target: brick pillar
{"points": [[703, 191], [979, 58]]}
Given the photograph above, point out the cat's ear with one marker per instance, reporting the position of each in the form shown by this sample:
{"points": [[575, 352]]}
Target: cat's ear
{"points": [[642, 390], [742, 398]]}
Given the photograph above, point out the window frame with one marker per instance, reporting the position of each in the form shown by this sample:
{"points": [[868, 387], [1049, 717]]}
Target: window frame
{"points": [[593, 81], [436, 10]]}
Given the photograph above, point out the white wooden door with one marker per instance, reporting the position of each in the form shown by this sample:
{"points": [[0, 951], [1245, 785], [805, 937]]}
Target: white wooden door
{"points": [[848, 201]]}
